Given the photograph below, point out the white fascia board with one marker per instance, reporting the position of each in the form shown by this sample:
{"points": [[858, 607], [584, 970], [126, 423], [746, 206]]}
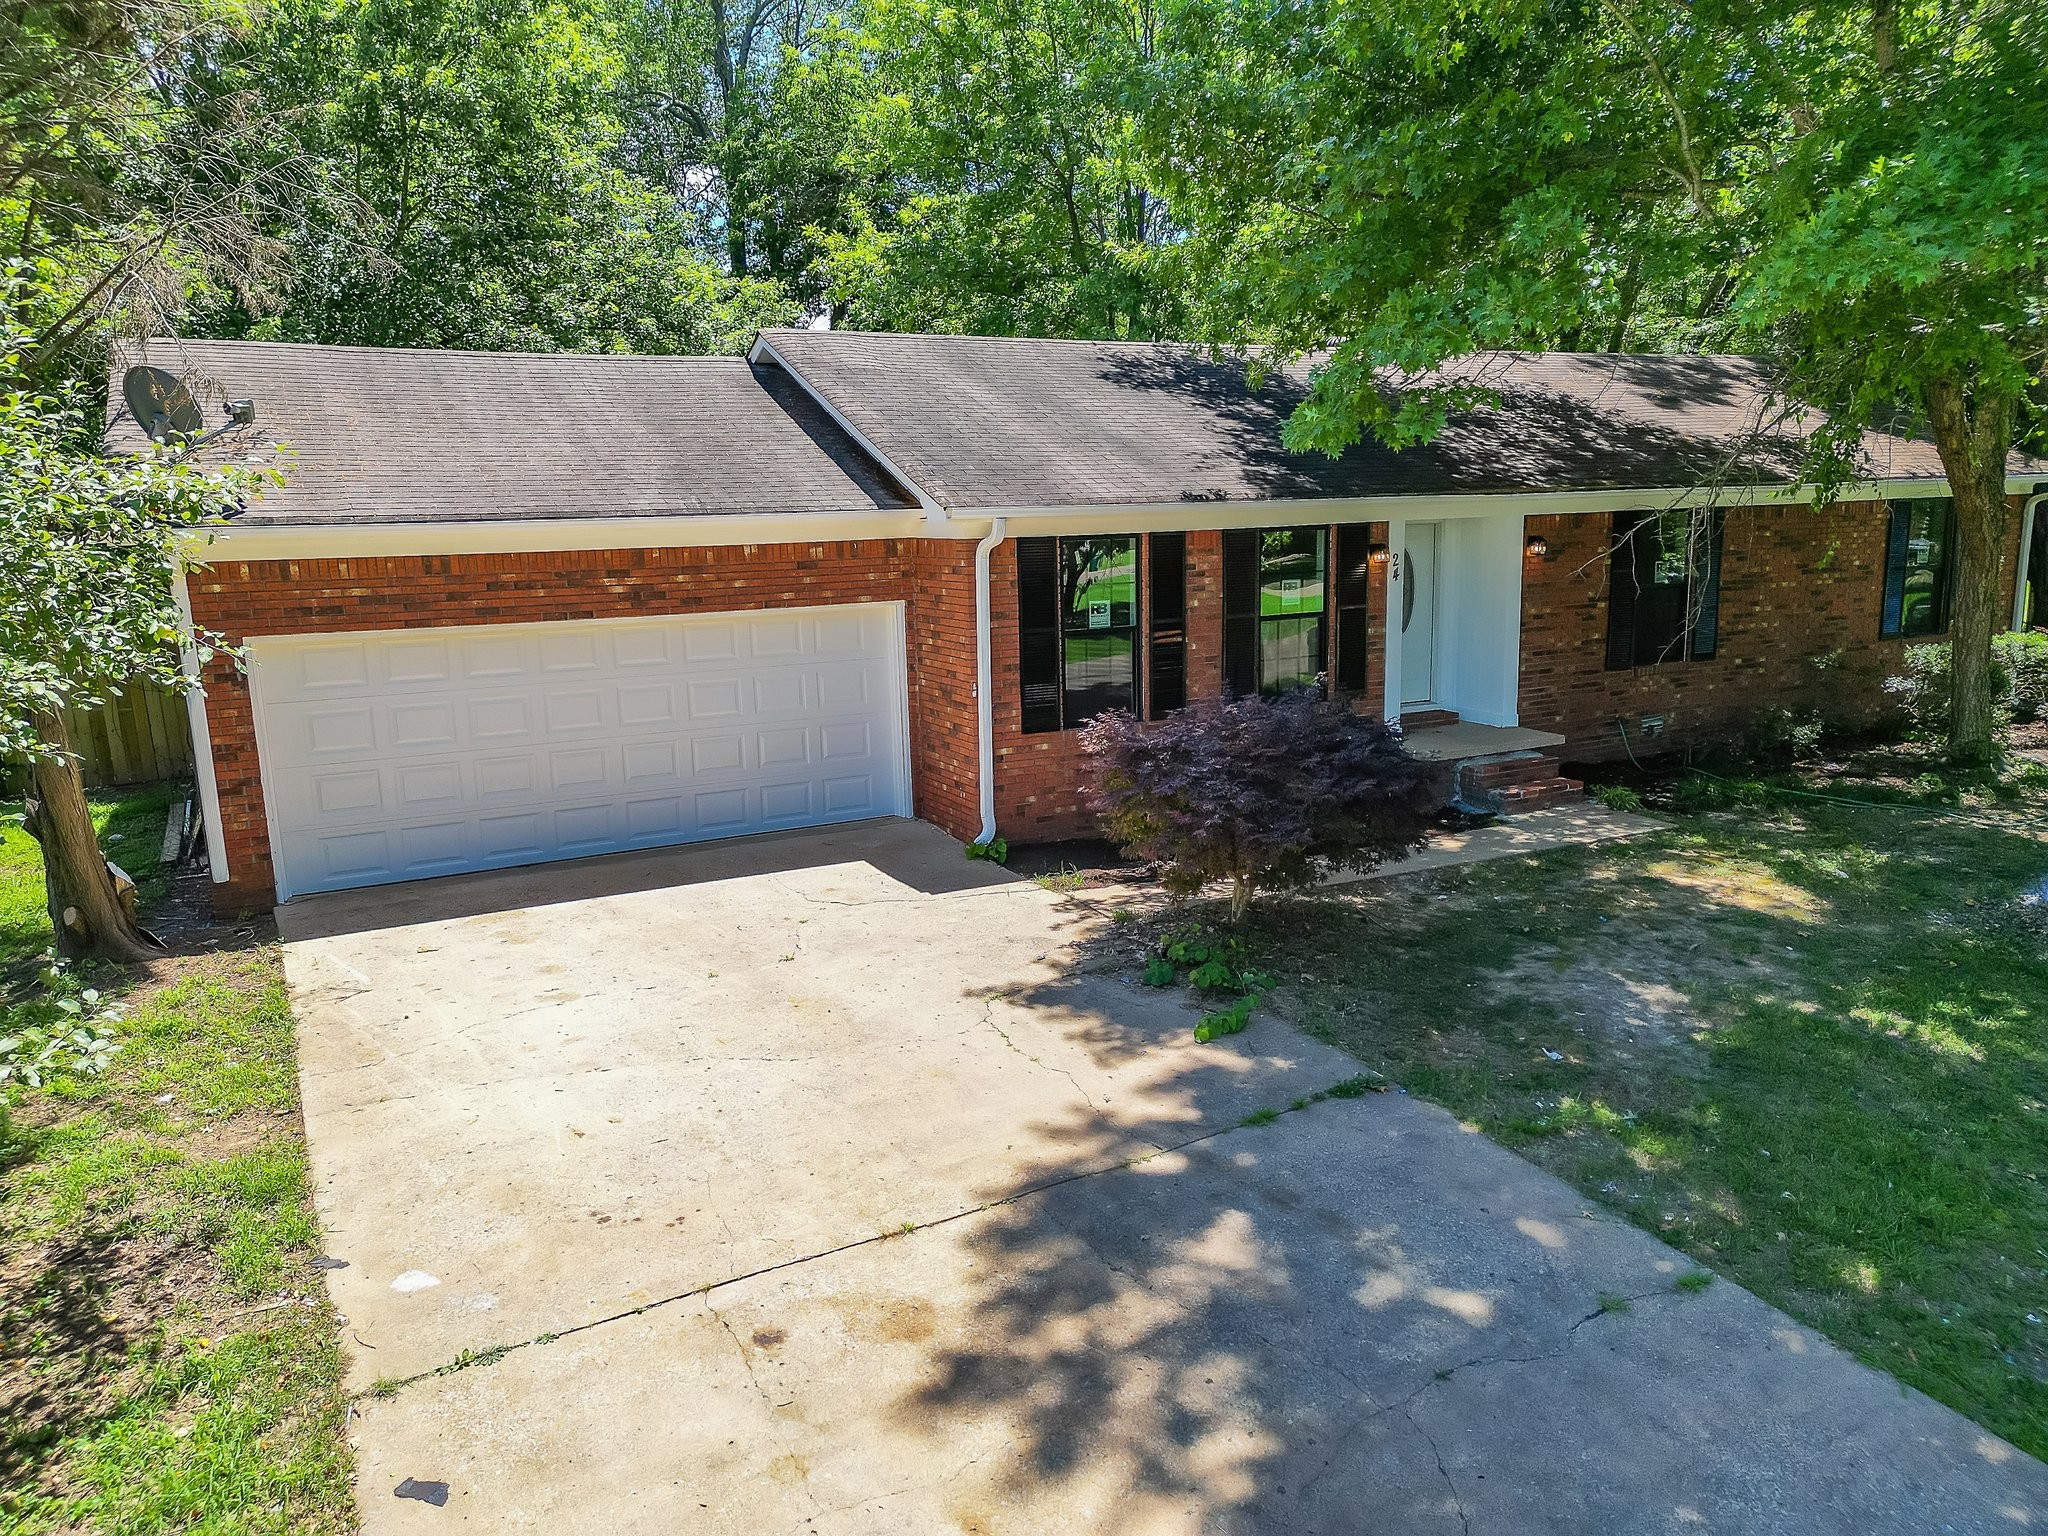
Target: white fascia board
{"points": [[215, 542], [929, 504], [1178, 516]]}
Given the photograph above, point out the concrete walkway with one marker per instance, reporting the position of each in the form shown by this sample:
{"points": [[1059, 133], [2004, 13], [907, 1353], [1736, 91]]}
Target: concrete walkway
{"points": [[804, 1184]]}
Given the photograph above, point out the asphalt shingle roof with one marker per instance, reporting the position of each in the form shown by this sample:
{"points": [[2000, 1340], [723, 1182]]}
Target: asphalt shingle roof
{"points": [[390, 435], [983, 422]]}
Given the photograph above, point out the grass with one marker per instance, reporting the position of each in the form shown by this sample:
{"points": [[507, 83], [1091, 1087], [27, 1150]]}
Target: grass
{"points": [[168, 1360], [1806, 1043]]}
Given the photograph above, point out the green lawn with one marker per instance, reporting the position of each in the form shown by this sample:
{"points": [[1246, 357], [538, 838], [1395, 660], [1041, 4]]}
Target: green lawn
{"points": [[1806, 1044], [168, 1361]]}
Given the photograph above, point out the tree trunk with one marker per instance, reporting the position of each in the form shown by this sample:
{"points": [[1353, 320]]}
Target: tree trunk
{"points": [[85, 909], [1974, 435], [1240, 897]]}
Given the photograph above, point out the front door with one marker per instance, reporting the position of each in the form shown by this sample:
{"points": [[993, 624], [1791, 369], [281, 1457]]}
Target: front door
{"points": [[1418, 615]]}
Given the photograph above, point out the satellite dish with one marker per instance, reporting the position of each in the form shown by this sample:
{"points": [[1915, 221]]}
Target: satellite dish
{"points": [[161, 404]]}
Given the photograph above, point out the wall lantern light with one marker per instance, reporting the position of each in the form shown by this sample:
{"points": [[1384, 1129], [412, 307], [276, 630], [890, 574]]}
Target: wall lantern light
{"points": [[1537, 547], [1376, 553]]}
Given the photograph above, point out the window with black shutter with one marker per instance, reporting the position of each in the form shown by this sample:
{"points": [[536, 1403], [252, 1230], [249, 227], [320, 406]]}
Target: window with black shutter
{"points": [[1276, 595], [1664, 587], [1077, 629], [1919, 569], [1167, 565], [1353, 580]]}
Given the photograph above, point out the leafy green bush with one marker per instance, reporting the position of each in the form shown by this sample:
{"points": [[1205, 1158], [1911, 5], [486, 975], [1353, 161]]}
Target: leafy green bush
{"points": [[1782, 735], [1618, 797], [1159, 972], [2025, 660], [1922, 690]]}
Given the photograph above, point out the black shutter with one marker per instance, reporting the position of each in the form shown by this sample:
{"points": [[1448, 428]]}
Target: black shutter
{"points": [[1706, 613], [1895, 569], [1038, 633], [1352, 572], [1623, 584], [1241, 611], [1168, 554]]}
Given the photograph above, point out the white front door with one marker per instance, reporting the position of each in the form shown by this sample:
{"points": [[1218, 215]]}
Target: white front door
{"points": [[1418, 614], [400, 754]]}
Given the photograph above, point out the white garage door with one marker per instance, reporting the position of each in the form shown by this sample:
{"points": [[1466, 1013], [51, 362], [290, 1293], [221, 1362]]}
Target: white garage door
{"points": [[401, 754]]}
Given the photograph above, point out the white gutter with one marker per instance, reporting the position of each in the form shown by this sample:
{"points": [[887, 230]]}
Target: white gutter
{"points": [[341, 541], [202, 739], [984, 683], [2028, 514]]}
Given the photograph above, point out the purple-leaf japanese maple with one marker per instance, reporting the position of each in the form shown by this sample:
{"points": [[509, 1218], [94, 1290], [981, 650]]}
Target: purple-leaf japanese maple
{"points": [[1269, 794]]}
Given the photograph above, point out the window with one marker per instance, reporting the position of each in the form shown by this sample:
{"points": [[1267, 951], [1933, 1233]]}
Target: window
{"points": [[1275, 596], [1919, 576], [1077, 620], [1664, 587]]}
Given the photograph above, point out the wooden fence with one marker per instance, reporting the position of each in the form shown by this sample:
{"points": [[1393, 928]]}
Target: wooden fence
{"points": [[135, 737]]}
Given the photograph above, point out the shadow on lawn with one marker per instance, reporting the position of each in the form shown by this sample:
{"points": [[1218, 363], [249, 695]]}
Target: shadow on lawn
{"points": [[1261, 1330]]}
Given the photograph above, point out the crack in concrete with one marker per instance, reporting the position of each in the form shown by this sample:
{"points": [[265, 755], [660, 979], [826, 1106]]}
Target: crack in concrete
{"points": [[988, 1017], [767, 1402], [470, 1359]]}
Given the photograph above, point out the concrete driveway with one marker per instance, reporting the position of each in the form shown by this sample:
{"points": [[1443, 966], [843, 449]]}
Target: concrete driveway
{"points": [[806, 1184]]}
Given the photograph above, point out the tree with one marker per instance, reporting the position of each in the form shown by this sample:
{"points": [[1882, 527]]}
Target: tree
{"points": [[86, 607], [1857, 193], [124, 180], [1269, 794], [743, 111], [1009, 197]]}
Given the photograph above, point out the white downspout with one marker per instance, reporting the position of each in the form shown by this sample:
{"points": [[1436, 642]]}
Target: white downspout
{"points": [[984, 684], [202, 739]]}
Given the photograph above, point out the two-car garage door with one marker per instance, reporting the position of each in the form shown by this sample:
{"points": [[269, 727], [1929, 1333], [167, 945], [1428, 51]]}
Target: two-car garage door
{"points": [[397, 755]]}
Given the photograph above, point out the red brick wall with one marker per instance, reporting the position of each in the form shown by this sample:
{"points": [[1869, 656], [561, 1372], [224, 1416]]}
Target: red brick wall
{"points": [[1801, 595], [1039, 777], [282, 597]]}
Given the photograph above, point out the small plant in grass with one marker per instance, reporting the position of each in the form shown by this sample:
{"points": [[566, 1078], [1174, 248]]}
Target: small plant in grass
{"points": [[64, 1032], [996, 851], [1358, 1087], [1065, 878], [1266, 794], [1226, 1021], [1618, 797]]}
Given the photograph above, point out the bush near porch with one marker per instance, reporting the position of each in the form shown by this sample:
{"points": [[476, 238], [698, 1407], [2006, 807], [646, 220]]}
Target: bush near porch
{"points": [[1806, 1042]]}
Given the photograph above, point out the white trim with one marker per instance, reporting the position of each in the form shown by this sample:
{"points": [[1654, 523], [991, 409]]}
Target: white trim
{"points": [[984, 681], [2030, 513], [898, 625], [202, 737], [345, 541], [1390, 645], [761, 347], [342, 541]]}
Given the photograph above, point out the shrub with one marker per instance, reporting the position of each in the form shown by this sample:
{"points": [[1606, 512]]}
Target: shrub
{"points": [[1618, 797], [1922, 690], [2025, 660], [1268, 794], [1781, 735]]}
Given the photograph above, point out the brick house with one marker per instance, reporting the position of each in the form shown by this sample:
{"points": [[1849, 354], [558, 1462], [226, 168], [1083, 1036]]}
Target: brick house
{"points": [[508, 608]]}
